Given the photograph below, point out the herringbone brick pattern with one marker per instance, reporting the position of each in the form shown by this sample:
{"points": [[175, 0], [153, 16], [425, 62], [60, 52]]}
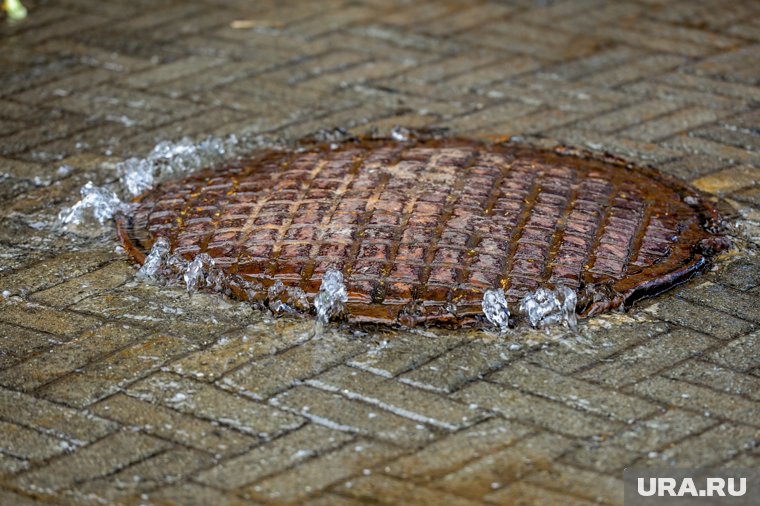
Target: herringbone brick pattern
{"points": [[117, 392]]}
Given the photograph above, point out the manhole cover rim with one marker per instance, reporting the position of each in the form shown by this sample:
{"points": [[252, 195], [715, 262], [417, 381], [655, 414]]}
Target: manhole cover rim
{"points": [[695, 256]]}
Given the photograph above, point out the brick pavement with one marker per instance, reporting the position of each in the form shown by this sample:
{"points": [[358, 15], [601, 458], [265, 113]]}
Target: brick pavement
{"points": [[117, 392]]}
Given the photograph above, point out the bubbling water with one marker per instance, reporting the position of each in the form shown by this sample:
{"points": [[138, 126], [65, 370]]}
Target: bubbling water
{"points": [[546, 307], [332, 296], [495, 309], [170, 160], [156, 259], [95, 208]]}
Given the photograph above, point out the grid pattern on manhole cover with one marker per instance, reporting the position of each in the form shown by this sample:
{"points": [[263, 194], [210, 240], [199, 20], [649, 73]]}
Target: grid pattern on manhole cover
{"points": [[429, 226]]}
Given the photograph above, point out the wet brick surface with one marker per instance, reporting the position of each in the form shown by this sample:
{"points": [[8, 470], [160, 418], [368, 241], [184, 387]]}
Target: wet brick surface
{"points": [[119, 392]]}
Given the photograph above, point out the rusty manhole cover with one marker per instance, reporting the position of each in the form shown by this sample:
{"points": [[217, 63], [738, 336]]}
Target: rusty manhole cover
{"points": [[422, 229]]}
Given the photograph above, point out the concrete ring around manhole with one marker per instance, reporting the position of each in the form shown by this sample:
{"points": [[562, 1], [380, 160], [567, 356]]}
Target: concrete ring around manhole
{"points": [[422, 229]]}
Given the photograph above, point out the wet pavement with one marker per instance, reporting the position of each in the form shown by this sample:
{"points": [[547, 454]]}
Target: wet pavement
{"points": [[120, 391]]}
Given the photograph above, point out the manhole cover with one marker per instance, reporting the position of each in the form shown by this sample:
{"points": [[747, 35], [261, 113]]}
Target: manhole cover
{"points": [[422, 229]]}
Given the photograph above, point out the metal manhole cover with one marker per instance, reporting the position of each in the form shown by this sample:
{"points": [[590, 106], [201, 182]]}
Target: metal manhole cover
{"points": [[421, 229]]}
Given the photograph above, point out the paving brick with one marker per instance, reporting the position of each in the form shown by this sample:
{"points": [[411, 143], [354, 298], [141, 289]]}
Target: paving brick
{"points": [[747, 459], [533, 410], [97, 460], [28, 138], [199, 319], [606, 459], [450, 371], [728, 180], [200, 84], [697, 146], [710, 447], [456, 450], [513, 36], [749, 196], [75, 353], [487, 116], [329, 499], [62, 27], [700, 399], [8, 497], [742, 354], [11, 465], [163, 14], [633, 114], [239, 346], [54, 419], [66, 86], [129, 107], [396, 37], [725, 299], [402, 352], [166, 467], [273, 457], [661, 431], [208, 402], [16, 344], [36, 317], [22, 171], [52, 271], [732, 66], [577, 394], [702, 15], [528, 493], [309, 68], [648, 358], [267, 376], [188, 494], [691, 167], [698, 317], [589, 485], [330, 20], [717, 378], [480, 477], [387, 490], [728, 133], [651, 153], [626, 72], [594, 63], [441, 69], [171, 71], [319, 473], [24, 443], [94, 56], [99, 379], [107, 277], [480, 78], [533, 123], [655, 41], [677, 96], [683, 120], [169, 424], [610, 334], [393, 396], [606, 14], [24, 77], [212, 17], [465, 18], [8, 126], [337, 412]]}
